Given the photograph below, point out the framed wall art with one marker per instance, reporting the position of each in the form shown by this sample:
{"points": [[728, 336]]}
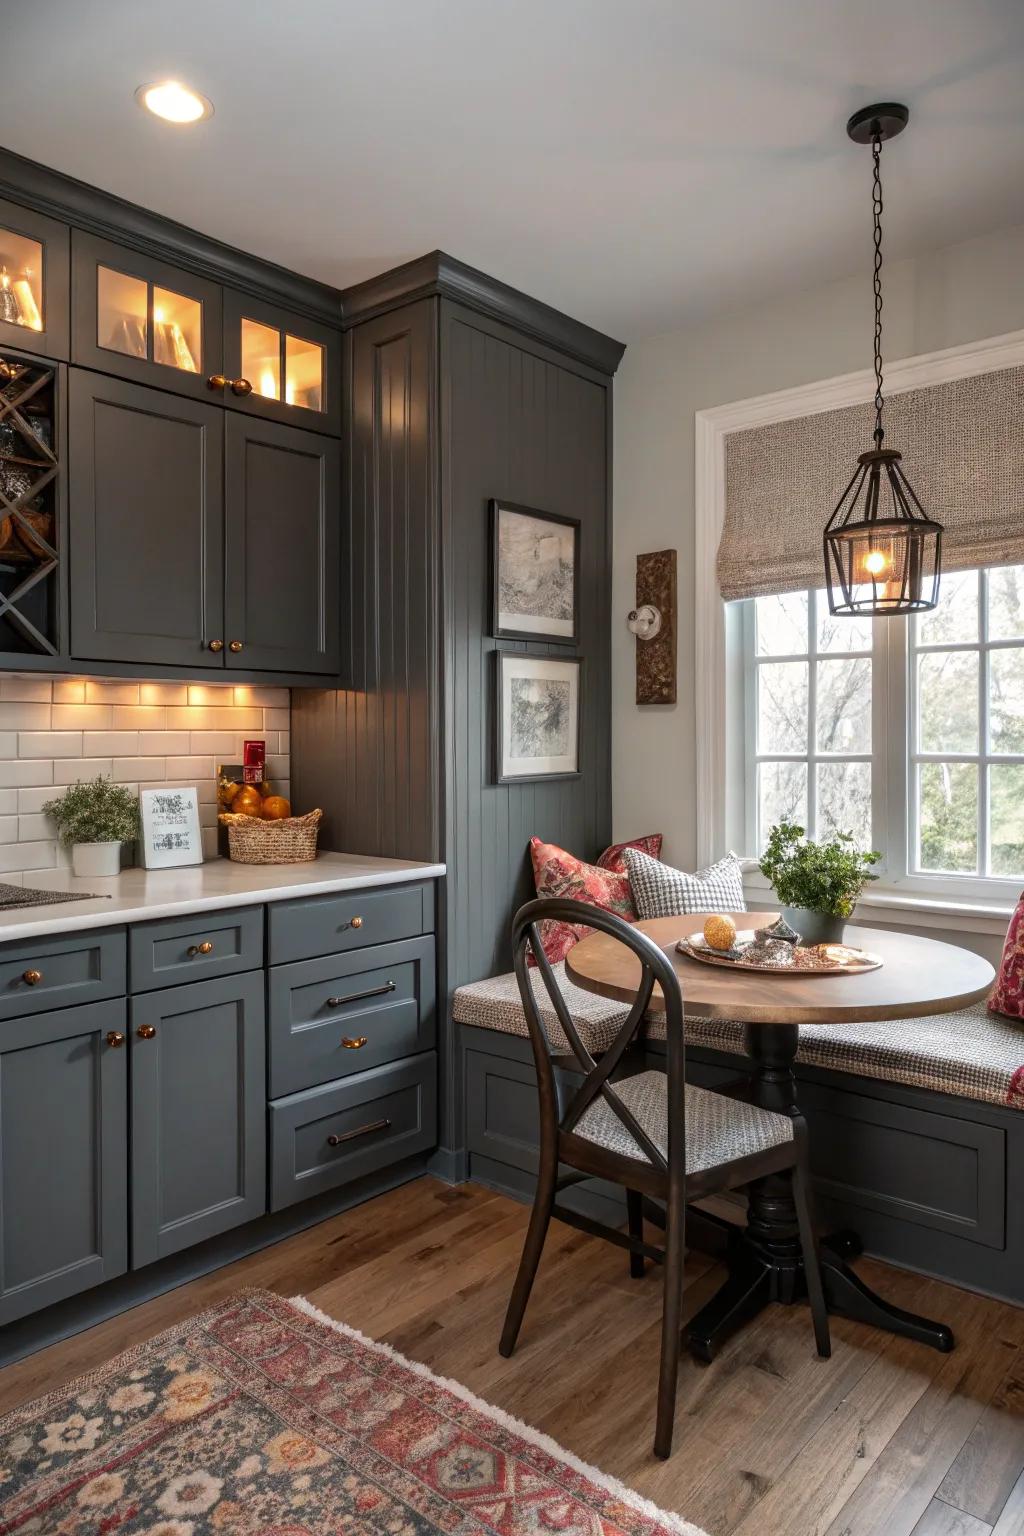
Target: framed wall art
{"points": [[535, 560], [170, 828], [538, 717]]}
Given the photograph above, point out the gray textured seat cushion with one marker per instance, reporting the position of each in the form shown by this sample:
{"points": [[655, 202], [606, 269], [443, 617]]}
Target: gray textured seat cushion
{"points": [[972, 1054], [718, 1130]]}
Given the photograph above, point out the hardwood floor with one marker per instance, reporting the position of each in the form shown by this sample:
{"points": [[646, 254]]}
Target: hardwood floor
{"points": [[887, 1438]]}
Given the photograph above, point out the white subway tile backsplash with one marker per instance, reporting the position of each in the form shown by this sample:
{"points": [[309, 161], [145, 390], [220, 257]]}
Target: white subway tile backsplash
{"points": [[49, 743], [24, 716], [55, 731]]}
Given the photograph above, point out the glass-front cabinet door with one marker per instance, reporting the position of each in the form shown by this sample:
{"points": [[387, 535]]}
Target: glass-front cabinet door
{"points": [[141, 319], [33, 282], [280, 365]]}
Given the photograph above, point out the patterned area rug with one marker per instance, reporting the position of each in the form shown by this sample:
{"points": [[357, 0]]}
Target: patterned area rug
{"points": [[263, 1415]]}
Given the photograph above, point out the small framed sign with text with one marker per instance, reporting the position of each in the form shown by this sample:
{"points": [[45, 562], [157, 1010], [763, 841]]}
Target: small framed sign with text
{"points": [[170, 828]]}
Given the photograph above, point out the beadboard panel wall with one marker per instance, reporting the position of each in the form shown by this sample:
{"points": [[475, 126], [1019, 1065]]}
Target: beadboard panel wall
{"points": [[369, 753], [54, 731], [521, 424]]}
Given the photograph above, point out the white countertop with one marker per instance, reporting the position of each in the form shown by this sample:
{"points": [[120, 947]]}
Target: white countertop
{"points": [[137, 895]]}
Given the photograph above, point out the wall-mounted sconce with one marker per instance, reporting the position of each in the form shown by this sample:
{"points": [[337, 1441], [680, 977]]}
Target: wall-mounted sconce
{"points": [[653, 622], [644, 622]]}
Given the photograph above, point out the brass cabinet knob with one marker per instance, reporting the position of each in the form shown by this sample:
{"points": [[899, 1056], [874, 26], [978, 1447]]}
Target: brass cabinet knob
{"points": [[218, 381], [353, 1043], [115, 1037], [32, 978], [205, 948], [146, 1031], [356, 922], [235, 645], [241, 387], [216, 645]]}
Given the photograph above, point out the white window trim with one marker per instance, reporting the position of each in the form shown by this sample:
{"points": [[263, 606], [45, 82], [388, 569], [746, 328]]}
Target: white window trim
{"points": [[711, 428]]}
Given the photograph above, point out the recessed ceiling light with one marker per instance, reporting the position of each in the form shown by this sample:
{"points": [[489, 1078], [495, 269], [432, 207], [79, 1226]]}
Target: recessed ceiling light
{"points": [[174, 102]]}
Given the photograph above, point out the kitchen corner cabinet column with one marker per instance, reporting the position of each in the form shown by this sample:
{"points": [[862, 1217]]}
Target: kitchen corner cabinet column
{"points": [[198, 1095], [282, 499], [147, 524], [63, 1169]]}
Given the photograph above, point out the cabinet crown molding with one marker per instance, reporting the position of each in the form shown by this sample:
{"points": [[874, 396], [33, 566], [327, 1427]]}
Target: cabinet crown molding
{"points": [[440, 274]]}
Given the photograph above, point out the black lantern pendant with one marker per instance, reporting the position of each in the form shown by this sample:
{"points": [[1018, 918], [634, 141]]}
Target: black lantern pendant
{"points": [[882, 551]]}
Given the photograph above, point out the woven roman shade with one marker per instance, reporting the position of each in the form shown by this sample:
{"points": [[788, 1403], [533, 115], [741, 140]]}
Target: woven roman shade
{"points": [[963, 447]]}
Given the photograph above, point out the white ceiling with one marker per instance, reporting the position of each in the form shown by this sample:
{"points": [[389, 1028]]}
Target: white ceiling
{"points": [[637, 163]]}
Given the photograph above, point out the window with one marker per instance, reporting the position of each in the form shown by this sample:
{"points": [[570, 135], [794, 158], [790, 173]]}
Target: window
{"points": [[909, 735]]}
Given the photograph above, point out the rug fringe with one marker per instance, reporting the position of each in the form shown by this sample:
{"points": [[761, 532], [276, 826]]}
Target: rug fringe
{"points": [[620, 1491]]}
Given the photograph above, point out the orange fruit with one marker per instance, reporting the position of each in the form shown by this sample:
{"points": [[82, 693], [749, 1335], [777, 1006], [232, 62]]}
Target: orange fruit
{"points": [[275, 807], [247, 802]]}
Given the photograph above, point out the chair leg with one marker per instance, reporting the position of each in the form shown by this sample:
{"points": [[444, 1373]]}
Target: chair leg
{"points": [[809, 1246], [635, 1217], [671, 1322], [540, 1218]]}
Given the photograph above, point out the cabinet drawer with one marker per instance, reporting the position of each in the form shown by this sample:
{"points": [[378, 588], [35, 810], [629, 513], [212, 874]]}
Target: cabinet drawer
{"points": [[327, 925], [173, 950], [346, 1013], [338, 1133], [59, 972]]}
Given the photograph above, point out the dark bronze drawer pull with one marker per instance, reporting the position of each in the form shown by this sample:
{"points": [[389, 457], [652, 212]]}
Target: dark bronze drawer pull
{"points": [[363, 1130], [205, 948], [354, 1042], [357, 997], [353, 922], [32, 978]]}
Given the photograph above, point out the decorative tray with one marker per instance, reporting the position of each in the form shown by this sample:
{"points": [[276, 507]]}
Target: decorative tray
{"points": [[748, 955]]}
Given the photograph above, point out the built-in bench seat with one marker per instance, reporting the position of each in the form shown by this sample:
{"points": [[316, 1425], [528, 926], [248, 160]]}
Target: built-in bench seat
{"points": [[970, 1054]]}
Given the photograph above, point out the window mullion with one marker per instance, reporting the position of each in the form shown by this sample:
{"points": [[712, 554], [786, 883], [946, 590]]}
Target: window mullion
{"points": [[983, 817], [812, 713]]}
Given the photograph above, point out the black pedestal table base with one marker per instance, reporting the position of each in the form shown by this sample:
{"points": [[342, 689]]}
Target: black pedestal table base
{"points": [[764, 1259]]}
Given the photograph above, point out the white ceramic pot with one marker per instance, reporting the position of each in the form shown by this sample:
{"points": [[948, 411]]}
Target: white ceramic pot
{"points": [[91, 860]]}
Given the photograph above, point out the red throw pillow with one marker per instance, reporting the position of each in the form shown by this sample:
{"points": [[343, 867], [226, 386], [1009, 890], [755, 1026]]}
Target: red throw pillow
{"points": [[1008, 993], [614, 857], [557, 873]]}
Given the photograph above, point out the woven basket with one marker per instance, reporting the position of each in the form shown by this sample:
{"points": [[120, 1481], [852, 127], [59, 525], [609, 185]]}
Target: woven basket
{"points": [[290, 840]]}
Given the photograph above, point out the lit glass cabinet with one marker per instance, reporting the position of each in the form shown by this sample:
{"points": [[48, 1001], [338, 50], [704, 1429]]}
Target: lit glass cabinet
{"points": [[142, 319], [33, 282], [281, 366]]}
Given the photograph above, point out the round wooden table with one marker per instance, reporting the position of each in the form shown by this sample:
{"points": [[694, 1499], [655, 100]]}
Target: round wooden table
{"points": [[917, 977]]}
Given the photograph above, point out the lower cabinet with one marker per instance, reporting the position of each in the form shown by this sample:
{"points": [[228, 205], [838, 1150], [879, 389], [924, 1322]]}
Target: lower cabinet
{"points": [[63, 1168], [198, 1099]]}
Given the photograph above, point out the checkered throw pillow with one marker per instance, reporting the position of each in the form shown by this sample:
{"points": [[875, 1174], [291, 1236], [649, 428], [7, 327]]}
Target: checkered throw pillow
{"points": [[661, 891]]}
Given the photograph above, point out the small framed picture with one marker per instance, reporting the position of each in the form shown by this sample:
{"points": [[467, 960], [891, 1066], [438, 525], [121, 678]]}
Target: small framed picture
{"points": [[538, 718], [535, 559], [170, 828]]}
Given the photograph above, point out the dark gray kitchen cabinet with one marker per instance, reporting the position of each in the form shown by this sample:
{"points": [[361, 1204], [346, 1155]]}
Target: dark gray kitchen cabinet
{"points": [[282, 499], [281, 366], [147, 529], [198, 1097], [33, 281], [63, 1171], [144, 320]]}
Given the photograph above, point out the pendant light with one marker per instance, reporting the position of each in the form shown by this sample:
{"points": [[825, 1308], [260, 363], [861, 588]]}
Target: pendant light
{"points": [[882, 551]]}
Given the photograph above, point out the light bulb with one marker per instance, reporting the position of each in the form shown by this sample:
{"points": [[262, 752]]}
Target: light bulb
{"points": [[875, 562], [174, 102]]}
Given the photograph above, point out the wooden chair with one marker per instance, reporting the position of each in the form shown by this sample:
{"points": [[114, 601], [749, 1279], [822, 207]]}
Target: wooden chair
{"points": [[622, 1130]]}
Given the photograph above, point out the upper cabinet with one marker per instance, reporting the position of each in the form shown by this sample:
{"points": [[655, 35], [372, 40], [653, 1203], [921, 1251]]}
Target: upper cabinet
{"points": [[141, 319], [279, 366], [33, 282]]}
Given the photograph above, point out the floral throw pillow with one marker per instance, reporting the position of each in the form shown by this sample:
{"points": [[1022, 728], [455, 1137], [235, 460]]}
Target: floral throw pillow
{"points": [[558, 873], [1008, 993], [614, 858]]}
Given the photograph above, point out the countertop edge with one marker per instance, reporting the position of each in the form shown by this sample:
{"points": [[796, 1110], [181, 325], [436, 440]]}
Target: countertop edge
{"points": [[113, 915]]}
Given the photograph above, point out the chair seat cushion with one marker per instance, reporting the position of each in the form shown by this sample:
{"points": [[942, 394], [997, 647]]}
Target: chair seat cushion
{"points": [[495, 1004], [718, 1130], [971, 1054]]}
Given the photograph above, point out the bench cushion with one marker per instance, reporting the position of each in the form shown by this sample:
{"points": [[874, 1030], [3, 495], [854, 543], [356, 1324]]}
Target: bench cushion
{"points": [[971, 1054]]}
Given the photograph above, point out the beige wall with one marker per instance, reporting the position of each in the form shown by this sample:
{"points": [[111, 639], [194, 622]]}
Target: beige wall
{"points": [[959, 294]]}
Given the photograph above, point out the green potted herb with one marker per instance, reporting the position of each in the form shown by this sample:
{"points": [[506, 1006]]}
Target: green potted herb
{"points": [[818, 883], [93, 819]]}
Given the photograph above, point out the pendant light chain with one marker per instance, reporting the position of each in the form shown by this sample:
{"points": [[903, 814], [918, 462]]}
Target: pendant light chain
{"points": [[876, 208]]}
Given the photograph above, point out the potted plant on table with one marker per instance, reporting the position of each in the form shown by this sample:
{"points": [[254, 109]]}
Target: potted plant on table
{"points": [[818, 883], [93, 819]]}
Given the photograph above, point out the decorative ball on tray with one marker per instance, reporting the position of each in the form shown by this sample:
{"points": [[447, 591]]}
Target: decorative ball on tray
{"points": [[719, 932]]}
